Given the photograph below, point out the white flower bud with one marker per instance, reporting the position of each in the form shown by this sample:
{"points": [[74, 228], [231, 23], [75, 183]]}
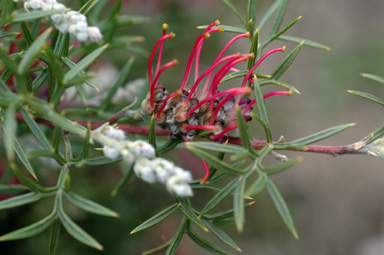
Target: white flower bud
{"points": [[72, 29], [57, 18], [376, 148], [178, 184], [110, 152], [81, 36], [94, 34], [81, 27], [34, 4], [142, 149], [62, 27], [114, 133], [128, 156], [58, 6], [144, 170], [46, 7]]}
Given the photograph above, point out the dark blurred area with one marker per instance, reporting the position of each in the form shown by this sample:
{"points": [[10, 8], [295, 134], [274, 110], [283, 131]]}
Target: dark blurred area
{"points": [[336, 203]]}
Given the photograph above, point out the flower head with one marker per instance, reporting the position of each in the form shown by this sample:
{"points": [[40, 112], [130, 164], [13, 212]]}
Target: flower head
{"points": [[200, 106]]}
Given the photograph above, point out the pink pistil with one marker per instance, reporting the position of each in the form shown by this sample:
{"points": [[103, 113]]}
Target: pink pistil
{"points": [[282, 49], [206, 176], [165, 28], [172, 95], [195, 50], [153, 85], [165, 37], [194, 87], [234, 91], [222, 133], [275, 93]]}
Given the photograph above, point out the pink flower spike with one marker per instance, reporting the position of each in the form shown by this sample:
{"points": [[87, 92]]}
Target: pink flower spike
{"points": [[234, 91], [211, 68], [172, 95], [218, 107], [165, 28], [222, 133], [153, 85], [282, 49], [165, 37], [195, 51], [206, 176]]}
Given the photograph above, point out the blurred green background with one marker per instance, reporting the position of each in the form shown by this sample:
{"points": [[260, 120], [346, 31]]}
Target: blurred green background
{"points": [[337, 203]]}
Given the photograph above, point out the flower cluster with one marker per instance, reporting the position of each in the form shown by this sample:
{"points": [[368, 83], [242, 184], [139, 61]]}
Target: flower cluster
{"points": [[71, 22], [188, 109], [146, 166]]}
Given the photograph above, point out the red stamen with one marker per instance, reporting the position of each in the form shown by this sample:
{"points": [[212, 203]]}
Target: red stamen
{"points": [[285, 92], [218, 107], [195, 50], [194, 87], [165, 37], [282, 49], [165, 28], [206, 176], [153, 85], [234, 91], [222, 133], [172, 95]]}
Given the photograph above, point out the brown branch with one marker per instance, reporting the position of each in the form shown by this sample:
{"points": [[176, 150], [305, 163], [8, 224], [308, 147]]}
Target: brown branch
{"points": [[331, 150]]}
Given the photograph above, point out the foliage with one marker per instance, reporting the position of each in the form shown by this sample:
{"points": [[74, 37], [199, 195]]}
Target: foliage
{"points": [[40, 66]]}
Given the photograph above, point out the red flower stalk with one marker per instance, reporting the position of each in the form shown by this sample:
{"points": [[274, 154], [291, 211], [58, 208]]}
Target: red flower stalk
{"points": [[190, 109]]}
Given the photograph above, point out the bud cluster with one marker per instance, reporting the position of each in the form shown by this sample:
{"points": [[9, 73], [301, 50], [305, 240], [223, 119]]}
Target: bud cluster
{"points": [[146, 166], [71, 22]]}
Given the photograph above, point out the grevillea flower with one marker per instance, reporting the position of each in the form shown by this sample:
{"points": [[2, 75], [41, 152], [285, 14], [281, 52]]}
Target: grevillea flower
{"points": [[201, 105]]}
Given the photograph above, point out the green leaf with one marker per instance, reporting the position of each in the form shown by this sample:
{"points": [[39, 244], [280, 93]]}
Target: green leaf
{"points": [[21, 200], [283, 66], [54, 236], [32, 185], [224, 215], [282, 166], [62, 45], [156, 218], [188, 212], [373, 77], [87, 80], [271, 38], [10, 128], [234, 10], [262, 110], [254, 49], [12, 189], [203, 243], [220, 196], [88, 6], [221, 235], [308, 43], [367, 96], [125, 20], [9, 63], [238, 203], [84, 63], [89, 206], [26, 34], [29, 16], [281, 84], [237, 30], [281, 207], [279, 17], [214, 162], [158, 248], [35, 129], [242, 126], [7, 34], [30, 230], [122, 181], [177, 238], [376, 134], [256, 187], [97, 161], [251, 15], [40, 81], [76, 232], [152, 134], [118, 83], [314, 137], [268, 13], [217, 147], [33, 51], [86, 145]]}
